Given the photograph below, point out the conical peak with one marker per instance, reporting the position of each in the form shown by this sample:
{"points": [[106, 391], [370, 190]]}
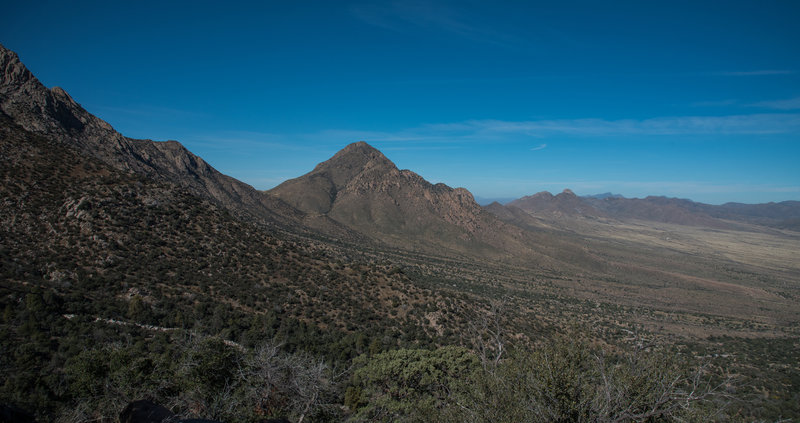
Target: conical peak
{"points": [[351, 161], [359, 149], [355, 156], [360, 146]]}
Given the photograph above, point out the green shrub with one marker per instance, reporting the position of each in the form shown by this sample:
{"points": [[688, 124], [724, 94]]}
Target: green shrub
{"points": [[400, 384]]}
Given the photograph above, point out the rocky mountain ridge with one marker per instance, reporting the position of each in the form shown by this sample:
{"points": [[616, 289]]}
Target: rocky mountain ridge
{"points": [[54, 114]]}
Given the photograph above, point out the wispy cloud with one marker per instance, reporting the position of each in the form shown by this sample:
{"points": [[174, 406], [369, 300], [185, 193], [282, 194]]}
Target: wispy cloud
{"points": [[764, 72], [412, 15], [784, 104], [482, 131], [681, 125], [539, 147], [242, 140], [458, 134], [715, 103], [788, 104], [399, 15]]}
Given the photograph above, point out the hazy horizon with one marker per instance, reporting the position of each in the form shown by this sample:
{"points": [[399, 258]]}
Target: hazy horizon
{"points": [[677, 99]]}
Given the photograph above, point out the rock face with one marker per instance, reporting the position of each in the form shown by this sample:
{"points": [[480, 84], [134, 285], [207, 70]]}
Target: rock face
{"points": [[363, 190], [53, 113], [563, 204]]}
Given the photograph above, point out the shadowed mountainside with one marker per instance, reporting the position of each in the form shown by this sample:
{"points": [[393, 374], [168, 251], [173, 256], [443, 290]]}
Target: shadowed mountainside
{"points": [[54, 114]]}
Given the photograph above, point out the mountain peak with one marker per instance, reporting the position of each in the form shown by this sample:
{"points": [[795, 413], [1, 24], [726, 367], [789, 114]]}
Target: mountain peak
{"points": [[362, 189], [352, 160], [316, 191], [359, 146], [355, 154]]}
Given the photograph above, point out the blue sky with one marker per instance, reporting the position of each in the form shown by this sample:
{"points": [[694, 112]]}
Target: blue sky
{"points": [[696, 100]]}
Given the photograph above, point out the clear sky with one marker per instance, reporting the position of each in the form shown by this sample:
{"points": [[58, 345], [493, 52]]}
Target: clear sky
{"points": [[694, 99]]}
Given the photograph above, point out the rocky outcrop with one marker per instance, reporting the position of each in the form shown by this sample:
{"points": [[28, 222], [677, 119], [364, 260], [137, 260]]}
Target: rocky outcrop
{"points": [[53, 113], [564, 204]]}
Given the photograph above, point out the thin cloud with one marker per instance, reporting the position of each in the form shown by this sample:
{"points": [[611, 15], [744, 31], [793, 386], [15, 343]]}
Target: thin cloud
{"points": [[765, 72], [788, 104], [715, 103], [422, 148], [405, 16], [460, 134], [683, 125]]}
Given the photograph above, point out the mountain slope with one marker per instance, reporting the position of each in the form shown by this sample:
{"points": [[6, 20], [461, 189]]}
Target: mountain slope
{"points": [[96, 236], [785, 215], [439, 213], [54, 114], [658, 209]]}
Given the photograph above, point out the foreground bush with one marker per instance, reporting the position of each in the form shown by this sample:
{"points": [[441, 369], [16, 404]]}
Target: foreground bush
{"points": [[561, 381], [201, 377]]}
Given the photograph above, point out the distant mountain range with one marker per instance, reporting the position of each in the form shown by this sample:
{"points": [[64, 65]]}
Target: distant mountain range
{"points": [[485, 201], [604, 195], [783, 215]]}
